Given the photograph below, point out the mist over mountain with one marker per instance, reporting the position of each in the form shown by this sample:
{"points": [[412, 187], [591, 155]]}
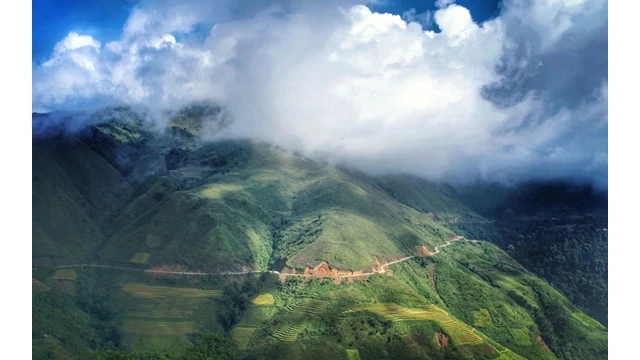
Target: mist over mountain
{"points": [[301, 179], [520, 96], [145, 237]]}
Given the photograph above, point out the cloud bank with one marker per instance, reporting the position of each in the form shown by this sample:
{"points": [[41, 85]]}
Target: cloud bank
{"points": [[521, 96]]}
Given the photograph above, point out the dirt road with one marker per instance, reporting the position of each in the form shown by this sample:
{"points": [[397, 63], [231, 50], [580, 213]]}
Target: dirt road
{"points": [[380, 271]]}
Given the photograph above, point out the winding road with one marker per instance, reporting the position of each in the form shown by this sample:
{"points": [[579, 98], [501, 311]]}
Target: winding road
{"points": [[449, 243], [380, 271]]}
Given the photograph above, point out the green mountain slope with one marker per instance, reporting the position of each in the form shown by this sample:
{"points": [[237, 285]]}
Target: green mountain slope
{"points": [[121, 195], [227, 217], [556, 230], [75, 193], [440, 200]]}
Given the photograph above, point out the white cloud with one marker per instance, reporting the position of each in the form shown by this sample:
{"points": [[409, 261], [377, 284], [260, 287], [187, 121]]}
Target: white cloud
{"points": [[75, 41], [456, 23], [346, 83], [444, 3]]}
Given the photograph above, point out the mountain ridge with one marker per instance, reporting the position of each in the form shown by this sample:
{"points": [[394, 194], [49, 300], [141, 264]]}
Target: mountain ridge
{"points": [[116, 194]]}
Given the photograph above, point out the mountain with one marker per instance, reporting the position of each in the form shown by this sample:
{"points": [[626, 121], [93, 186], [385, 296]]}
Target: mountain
{"points": [[145, 237], [558, 230]]}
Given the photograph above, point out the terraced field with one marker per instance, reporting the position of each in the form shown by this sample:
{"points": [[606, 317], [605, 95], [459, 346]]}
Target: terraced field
{"points": [[149, 291], [140, 258], [259, 314], [299, 311], [159, 316], [159, 327], [460, 333], [264, 299], [505, 354], [242, 336], [288, 330], [309, 306], [293, 304], [65, 274], [37, 286]]}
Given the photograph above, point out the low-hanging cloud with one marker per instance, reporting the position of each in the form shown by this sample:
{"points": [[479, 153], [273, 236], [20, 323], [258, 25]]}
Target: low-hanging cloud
{"points": [[523, 95]]}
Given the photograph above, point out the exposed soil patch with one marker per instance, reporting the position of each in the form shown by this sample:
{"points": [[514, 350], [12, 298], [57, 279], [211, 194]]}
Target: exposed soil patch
{"points": [[423, 251], [283, 278], [374, 268], [544, 345], [442, 339], [324, 270]]}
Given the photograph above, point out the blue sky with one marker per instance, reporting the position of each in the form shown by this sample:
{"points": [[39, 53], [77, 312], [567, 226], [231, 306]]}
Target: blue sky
{"points": [[54, 19], [103, 20], [481, 10]]}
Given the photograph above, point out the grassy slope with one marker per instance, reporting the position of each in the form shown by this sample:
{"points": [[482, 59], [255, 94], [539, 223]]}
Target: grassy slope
{"points": [[213, 205], [425, 196], [359, 221], [230, 216], [466, 278], [235, 203]]}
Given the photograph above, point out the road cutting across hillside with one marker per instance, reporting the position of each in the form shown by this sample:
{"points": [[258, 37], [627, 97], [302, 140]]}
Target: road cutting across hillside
{"points": [[382, 269]]}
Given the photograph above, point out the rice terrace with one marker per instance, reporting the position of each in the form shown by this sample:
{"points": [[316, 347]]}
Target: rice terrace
{"points": [[297, 312], [263, 299], [65, 274], [140, 258], [460, 333], [148, 291], [318, 180], [164, 316], [242, 336]]}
